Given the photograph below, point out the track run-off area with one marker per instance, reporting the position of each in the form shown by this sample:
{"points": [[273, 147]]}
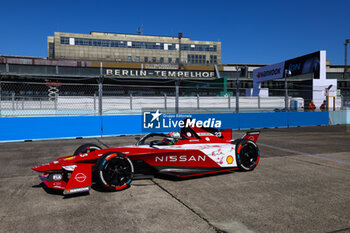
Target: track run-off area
{"points": [[302, 184]]}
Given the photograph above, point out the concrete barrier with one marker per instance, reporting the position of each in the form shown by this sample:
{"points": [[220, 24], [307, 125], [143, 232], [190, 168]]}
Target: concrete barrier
{"points": [[339, 117], [36, 128]]}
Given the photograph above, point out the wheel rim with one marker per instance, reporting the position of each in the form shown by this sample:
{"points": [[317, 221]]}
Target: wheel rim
{"points": [[248, 156], [117, 171]]}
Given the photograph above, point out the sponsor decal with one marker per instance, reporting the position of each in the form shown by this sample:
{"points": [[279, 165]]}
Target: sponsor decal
{"points": [[251, 138], [80, 177], [76, 190], [204, 134], [57, 177], [269, 73], [180, 158], [229, 159]]}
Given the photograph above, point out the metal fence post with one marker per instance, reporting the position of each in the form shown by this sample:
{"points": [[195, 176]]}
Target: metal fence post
{"points": [[165, 102], [130, 101], [95, 103], [100, 96], [197, 101], [286, 90], [259, 106], [177, 83], [13, 100], [100, 86], [229, 101], [341, 102], [55, 102]]}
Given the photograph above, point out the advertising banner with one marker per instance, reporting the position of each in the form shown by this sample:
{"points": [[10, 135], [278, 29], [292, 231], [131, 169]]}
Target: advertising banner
{"points": [[309, 63], [269, 72]]}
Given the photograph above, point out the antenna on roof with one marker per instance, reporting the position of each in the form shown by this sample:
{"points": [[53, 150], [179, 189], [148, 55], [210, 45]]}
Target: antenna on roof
{"points": [[140, 30]]}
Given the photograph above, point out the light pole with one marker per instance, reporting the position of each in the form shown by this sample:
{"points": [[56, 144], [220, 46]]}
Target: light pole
{"points": [[238, 68], [177, 83], [179, 36], [347, 41], [327, 96], [286, 74]]}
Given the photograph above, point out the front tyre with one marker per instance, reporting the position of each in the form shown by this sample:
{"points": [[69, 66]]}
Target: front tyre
{"points": [[114, 171], [247, 154]]}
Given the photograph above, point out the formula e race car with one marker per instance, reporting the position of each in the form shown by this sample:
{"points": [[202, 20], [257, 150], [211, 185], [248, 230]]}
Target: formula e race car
{"points": [[192, 152]]}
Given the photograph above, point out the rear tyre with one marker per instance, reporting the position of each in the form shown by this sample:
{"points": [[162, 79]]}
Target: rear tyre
{"points": [[86, 148], [114, 171], [247, 154]]}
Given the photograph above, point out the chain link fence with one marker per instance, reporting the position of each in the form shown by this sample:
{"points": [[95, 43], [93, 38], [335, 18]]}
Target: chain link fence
{"points": [[45, 98]]}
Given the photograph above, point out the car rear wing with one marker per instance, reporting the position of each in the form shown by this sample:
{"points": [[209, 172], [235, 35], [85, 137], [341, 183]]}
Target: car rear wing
{"points": [[251, 135]]}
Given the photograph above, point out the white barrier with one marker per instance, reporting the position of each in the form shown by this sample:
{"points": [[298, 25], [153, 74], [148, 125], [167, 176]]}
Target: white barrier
{"points": [[72, 105]]}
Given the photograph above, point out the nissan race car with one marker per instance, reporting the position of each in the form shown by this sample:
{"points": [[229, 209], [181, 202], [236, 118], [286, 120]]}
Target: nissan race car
{"points": [[192, 152]]}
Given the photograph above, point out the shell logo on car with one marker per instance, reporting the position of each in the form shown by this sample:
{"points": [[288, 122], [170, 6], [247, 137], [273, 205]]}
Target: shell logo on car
{"points": [[229, 159]]}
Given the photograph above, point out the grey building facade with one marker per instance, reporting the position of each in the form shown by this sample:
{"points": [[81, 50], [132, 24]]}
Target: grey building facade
{"points": [[117, 47]]}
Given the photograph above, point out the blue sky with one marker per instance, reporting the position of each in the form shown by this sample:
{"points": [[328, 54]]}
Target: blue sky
{"points": [[251, 32]]}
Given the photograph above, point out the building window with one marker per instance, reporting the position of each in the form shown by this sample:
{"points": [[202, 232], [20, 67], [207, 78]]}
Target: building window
{"points": [[146, 59], [177, 61], [161, 60], [51, 51], [129, 58], [138, 44], [64, 40], [154, 59], [213, 59], [196, 59], [137, 58], [170, 60]]}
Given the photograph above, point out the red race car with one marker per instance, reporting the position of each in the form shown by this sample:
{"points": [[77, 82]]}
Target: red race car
{"points": [[192, 152]]}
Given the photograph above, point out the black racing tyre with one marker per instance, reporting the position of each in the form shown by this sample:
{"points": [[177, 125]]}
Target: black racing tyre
{"points": [[247, 154], [114, 171], [86, 148]]}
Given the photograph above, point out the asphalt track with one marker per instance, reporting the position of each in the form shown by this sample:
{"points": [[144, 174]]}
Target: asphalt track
{"points": [[302, 184]]}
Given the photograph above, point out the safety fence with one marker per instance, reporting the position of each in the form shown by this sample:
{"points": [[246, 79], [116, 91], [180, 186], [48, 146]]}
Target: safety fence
{"points": [[47, 98]]}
